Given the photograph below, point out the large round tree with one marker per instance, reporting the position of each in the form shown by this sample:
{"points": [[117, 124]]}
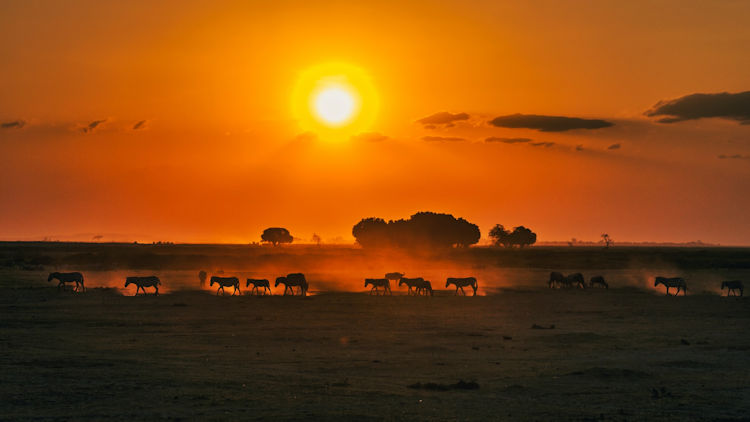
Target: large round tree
{"points": [[276, 235]]}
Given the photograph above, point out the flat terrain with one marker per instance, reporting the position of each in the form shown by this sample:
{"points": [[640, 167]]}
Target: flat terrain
{"points": [[627, 353]]}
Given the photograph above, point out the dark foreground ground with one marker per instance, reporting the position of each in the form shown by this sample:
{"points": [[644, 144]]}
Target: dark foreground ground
{"points": [[621, 354]]}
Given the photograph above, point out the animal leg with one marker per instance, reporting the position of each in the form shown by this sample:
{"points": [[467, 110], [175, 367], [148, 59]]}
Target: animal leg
{"points": [[156, 292]]}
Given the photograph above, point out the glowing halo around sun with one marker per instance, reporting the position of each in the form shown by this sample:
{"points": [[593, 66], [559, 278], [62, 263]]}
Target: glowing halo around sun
{"points": [[335, 101]]}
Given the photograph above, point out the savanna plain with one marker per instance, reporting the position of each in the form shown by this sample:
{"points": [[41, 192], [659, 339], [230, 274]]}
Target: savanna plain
{"points": [[516, 351]]}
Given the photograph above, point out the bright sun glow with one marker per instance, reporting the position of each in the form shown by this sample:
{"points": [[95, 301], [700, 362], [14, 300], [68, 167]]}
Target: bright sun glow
{"points": [[334, 104], [334, 101]]}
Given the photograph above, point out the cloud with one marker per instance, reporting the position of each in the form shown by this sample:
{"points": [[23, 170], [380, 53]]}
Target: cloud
{"points": [[542, 144], [140, 125], [734, 157], [93, 125], [697, 106], [369, 137], [442, 139], [548, 123], [579, 147], [16, 124], [442, 118], [614, 146], [507, 140]]}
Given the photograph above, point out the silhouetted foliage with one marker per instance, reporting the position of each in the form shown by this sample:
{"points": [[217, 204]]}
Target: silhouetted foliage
{"points": [[607, 240], [421, 230], [520, 236], [276, 235]]}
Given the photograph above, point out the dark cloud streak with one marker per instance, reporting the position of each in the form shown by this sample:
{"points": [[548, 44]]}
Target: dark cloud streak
{"points": [[548, 123], [442, 118], [442, 139], [508, 140], [698, 106], [16, 124]]}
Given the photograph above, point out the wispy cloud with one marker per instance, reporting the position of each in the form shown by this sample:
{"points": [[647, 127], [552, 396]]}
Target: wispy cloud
{"points": [[542, 144], [15, 124], [442, 119], [140, 125], [614, 146], [508, 140], [734, 157], [93, 125], [442, 139], [548, 123], [697, 106]]}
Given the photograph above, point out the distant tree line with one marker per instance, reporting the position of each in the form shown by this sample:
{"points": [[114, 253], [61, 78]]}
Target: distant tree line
{"points": [[421, 230], [519, 236]]}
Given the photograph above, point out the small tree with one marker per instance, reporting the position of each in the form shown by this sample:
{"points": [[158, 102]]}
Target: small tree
{"points": [[607, 240], [202, 277], [276, 235], [316, 239], [500, 236], [522, 236]]}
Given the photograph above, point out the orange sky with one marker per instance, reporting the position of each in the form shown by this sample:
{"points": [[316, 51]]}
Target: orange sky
{"points": [[221, 154]]}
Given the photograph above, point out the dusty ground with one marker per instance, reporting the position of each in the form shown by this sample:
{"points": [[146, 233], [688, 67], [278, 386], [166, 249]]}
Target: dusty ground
{"points": [[622, 354]]}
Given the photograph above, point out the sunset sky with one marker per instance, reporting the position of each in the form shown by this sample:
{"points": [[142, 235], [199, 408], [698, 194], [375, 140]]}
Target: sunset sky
{"points": [[196, 121]]}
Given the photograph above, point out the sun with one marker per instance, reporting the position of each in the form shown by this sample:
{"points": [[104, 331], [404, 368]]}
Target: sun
{"points": [[334, 105], [335, 101]]}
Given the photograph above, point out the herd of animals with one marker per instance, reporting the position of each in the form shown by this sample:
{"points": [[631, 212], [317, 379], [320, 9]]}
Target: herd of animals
{"points": [[416, 286]]}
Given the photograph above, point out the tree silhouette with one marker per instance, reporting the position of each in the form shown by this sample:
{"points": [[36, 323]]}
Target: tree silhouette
{"points": [[607, 240], [316, 239], [202, 277], [276, 235], [421, 230], [500, 236], [520, 236]]}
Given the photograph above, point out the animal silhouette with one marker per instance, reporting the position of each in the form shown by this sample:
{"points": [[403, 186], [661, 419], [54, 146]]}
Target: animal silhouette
{"points": [[411, 283], [226, 282], [63, 278], [677, 282], [556, 280], [142, 282], [378, 283], [460, 283], [424, 287], [394, 277], [258, 284], [575, 279], [598, 281], [733, 286], [291, 281]]}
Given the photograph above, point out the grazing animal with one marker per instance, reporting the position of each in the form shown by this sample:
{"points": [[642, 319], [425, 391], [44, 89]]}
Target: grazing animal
{"points": [[394, 277], [424, 287], [733, 286], [556, 280], [460, 283], [598, 280], [411, 283], [63, 278], [259, 284], [291, 281], [226, 282], [575, 279], [677, 282], [142, 282], [379, 282], [202, 277]]}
